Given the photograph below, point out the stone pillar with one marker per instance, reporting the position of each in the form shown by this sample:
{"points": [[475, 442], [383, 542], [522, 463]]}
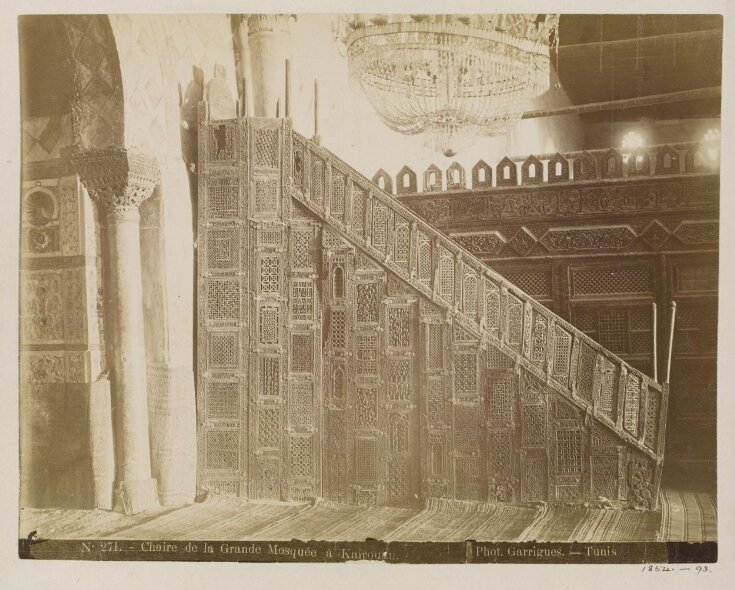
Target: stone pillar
{"points": [[119, 181], [269, 42]]}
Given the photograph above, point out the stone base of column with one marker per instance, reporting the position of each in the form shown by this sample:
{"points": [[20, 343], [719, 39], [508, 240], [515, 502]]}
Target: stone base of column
{"points": [[132, 497]]}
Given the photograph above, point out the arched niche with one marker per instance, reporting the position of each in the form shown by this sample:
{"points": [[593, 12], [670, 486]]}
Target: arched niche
{"points": [[455, 177], [406, 181], [482, 175], [558, 168], [506, 173], [383, 181], [532, 171], [432, 179]]}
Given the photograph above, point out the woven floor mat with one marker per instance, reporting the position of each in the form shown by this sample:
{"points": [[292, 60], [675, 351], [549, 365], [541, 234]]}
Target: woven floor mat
{"points": [[685, 516]]}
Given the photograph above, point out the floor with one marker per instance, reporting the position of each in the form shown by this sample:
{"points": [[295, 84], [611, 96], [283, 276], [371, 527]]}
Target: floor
{"points": [[685, 516]]}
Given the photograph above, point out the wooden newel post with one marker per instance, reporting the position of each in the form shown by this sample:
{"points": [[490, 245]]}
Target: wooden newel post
{"points": [[654, 311], [316, 111], [671, 340], [288, 89]]}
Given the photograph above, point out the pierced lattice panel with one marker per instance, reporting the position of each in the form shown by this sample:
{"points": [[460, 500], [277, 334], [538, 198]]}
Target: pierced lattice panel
{"points": [[562, 351], [268, 324], [270, 274], [302, 300], [424, 259], [469, 294], [366, 407], [535, 283], [538, 340], [569, 451], [399, 327], [533, 425], [269, 427], [499, 397], [302, 247], [366, 310], [359, 199], [398, 482], [301, 455], [222, 450], [434, 346], [612, 281], [317, 180], [398, 433], [223, 350], [269, 370], [302, 353], [222, 401], [515, 322], [338, 328], [652, 416], [365, 460], [266, 148], [500, 453], [467, 477], [467, 427], [403, 244], [337, 200], [268, 477], [266, 195], [492, 308], [223, 248], [534, 483], [586, 371], [367, 354], [223, 299], [632, 404], [604, 476], [465, 373], [435, 401], [301, 403], [608, 388], [446, 277], [437, 453], [223, 197], [399, 379]]}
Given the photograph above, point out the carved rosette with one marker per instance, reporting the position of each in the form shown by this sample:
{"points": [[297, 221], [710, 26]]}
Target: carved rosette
{"points": [[118, 179]]}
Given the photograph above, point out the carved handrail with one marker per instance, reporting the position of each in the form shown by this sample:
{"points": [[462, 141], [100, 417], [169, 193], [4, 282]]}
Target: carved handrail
{"points": [[545, 169], [481, 301]]}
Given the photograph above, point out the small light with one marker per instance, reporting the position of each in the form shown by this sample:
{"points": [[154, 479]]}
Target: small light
{"points": [[712, 135], [711, 141], [632, 140]]}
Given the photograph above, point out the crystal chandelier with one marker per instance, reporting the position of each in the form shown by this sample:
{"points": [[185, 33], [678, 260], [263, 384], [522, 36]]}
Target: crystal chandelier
{"points": [[450, 77]]}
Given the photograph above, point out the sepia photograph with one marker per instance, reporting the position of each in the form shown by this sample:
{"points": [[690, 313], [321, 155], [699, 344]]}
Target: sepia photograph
{"points": [[405, 287]]}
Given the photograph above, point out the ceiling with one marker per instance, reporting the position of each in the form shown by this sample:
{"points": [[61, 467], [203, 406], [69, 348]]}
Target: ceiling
{"points": [[601, 58], [613, 57]]}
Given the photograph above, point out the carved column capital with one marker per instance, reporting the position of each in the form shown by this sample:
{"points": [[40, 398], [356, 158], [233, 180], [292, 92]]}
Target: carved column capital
{"points": [[119, 179], [268, 23]]}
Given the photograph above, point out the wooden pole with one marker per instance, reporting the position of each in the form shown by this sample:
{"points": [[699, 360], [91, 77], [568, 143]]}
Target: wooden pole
{"points": [[316, 111], [278, 107], [655, 342], [288, 89], [671, 340], [628, 103], [244, 97]]}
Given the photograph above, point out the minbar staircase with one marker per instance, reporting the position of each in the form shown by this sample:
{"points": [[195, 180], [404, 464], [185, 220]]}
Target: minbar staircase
{"points": [[530, 408]]}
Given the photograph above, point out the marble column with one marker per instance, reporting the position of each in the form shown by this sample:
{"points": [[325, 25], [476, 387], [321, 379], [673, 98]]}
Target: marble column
{"points": [[119, 180], [269, 44]]}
